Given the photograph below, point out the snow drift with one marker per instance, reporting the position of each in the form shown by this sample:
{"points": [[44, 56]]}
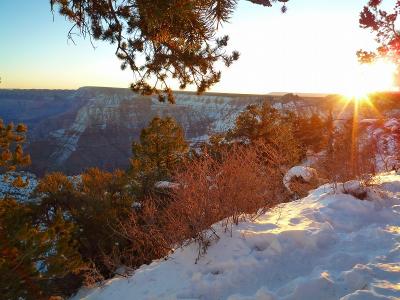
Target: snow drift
{"points": [[329, 245]]}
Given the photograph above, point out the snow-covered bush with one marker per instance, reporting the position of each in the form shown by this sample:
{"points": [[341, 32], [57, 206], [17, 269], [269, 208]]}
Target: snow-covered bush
{"points": [[300, 179]]}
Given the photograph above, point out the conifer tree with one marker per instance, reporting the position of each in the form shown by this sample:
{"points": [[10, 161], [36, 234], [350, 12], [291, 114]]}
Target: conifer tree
{"points": [[383, 23], [33, 257], [161, 148], [11, 141], [256, 122], [160, 40], [94, 204], [262, 123], [12, 155], [310, 131]]}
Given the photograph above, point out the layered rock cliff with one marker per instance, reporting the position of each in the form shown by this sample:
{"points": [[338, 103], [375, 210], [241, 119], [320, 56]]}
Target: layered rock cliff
{"points": [[70, 130]]}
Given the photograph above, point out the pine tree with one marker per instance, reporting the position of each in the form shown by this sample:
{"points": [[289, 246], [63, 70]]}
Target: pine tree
{"points": [[311, 132], [12, 155], [383, 23], [34, 256], [275, 130], [256, 122], [161, 148], [160, 40], [94, 204], [11, 141]]}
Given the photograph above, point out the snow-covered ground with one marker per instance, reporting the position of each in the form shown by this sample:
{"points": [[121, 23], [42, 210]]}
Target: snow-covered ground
{"points": [[328, 245]]}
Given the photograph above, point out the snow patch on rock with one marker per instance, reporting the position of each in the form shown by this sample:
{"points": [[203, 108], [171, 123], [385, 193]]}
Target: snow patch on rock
{"points": [[306, 173]]}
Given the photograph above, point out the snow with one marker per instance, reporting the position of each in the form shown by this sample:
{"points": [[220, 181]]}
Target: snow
{"points": [[369, 121], [24, 194], [306, 173], [166, 185], [328, 245], [20, 194]]}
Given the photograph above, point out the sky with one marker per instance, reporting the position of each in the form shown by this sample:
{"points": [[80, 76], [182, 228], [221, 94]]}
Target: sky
{"points": [[311, 48]]}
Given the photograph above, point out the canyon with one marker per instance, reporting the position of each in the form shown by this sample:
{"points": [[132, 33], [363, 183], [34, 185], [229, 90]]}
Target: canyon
{"points": [[71, 130]]}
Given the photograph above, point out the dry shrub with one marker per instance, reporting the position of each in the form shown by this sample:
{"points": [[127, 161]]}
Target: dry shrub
{"points": [[349, 156], [144, 232], [300, 188], [91, 275], [281, 150], [233, 188], [239, 183]]}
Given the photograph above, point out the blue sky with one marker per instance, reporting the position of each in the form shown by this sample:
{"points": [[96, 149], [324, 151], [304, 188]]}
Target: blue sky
{"points": [[309, 49]]}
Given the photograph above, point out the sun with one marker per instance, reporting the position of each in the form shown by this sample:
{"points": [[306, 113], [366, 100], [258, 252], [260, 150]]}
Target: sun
{"points": [[356, 95], [371, 78], [366, 80]]}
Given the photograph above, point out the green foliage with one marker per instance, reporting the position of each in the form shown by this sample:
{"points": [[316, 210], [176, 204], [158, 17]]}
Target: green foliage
{"points": [[94, 204], [50, 247], [73, 234], [160, 40], [382, 20], [316, 134], [262, 123], [12, 155], [161, 149], [292, 133], [258, 121], [310, 131], [11, 141], [34, 255], [109, 230]]}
